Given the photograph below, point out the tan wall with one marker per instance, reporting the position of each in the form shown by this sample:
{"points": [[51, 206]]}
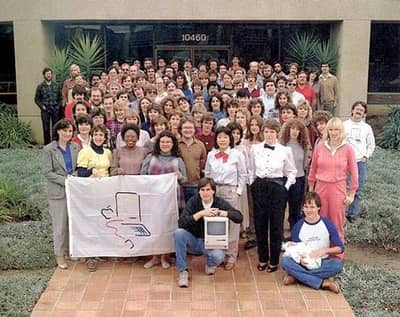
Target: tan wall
{"points": [[33, 39], [30, 59], [353, 39], [200, 10]]}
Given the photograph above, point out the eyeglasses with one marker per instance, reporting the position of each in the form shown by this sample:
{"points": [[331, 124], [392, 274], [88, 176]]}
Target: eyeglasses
{"points": [[291, 84]]}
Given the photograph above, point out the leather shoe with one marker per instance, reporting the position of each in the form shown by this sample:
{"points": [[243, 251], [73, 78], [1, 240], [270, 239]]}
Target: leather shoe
{"points": [[289, 280], [330, 285], [250, 244], [229, 266]]}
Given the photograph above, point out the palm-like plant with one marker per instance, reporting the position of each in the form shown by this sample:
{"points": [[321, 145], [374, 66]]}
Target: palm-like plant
{"points": [[326, 52], [301, 49], [87, 53], [60, 62]]}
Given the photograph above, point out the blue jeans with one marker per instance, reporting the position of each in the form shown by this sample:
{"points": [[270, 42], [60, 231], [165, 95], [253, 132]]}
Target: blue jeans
{"points": [[188, 192], [312, 278], [186, 242], [353, 209]]}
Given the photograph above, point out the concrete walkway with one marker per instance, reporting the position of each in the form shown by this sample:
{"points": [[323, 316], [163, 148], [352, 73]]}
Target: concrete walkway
{"points": [[127, 289]]}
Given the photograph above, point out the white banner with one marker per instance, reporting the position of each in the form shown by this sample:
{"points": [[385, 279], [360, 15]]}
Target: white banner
{"points": [[122, 215]]}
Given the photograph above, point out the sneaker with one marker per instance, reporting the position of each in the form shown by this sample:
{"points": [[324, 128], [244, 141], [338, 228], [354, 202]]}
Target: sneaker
{"points": [[91, 265], [210, 270], [352, 220], [183, 279]]}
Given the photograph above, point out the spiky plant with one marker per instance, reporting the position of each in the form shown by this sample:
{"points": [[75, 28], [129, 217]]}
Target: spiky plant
{"points": [[326, 52], [87, 52], [60, 62], [389, 138], [301, 49]]}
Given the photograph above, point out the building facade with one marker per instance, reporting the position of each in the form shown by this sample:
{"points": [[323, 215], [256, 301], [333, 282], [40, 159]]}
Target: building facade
{"points": [[367, 33]]}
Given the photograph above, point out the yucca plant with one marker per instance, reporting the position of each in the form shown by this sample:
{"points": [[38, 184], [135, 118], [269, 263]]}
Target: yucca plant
{"points": [[87, 52], [301, 49], [389, 138], [60, 63], [326, 52]]}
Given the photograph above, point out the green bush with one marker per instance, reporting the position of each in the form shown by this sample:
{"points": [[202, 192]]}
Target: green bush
{"points": [[19, 291], [371, 291], [15, 204], [26, 245], [380, 217], [13, 132], [29, 244], [309, 51], [389, 138], [24, 167]]}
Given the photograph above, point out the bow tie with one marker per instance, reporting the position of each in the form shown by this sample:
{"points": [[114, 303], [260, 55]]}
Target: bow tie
{"points": [[271, 147], [224, 156]]}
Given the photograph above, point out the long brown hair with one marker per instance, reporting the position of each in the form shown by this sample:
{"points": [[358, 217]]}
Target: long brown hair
{"points": [[303, 135]]}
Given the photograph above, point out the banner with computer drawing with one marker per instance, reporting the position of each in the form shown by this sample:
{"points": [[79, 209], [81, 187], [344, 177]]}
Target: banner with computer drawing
{"points": [[122, 216]]}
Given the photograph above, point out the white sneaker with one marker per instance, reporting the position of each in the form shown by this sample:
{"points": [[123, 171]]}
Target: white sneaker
{"points": [[210, 270], [183, 279]]}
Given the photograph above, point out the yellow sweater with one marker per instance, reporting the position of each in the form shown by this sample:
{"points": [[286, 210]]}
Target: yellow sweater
{"points": [[88, 158]]}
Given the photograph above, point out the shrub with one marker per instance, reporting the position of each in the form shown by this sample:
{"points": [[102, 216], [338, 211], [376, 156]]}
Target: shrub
{"points": [[60, 62], [389, 138], [29, 244], [26, 245], [309, 51], [20, 290], [23, 166], [14, 203], [13, 132], [379, 210], [371, 291]]}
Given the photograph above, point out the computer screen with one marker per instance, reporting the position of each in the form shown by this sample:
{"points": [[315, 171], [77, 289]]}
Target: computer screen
{"points": [[216, 228]]}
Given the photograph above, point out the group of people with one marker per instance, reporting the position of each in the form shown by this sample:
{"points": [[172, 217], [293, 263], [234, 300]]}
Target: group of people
{"points": [[243, 143]]}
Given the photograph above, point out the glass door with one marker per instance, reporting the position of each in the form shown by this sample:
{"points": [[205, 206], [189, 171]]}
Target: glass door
{"points": [[196, 53], [203, 54], [173, 52]]}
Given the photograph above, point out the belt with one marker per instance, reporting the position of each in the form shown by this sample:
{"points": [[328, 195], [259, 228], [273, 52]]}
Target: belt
{"points": [[219, 184], [277, 180]]}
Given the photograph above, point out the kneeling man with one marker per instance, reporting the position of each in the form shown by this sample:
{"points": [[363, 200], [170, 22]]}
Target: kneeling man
{"points": [[189, 237]]}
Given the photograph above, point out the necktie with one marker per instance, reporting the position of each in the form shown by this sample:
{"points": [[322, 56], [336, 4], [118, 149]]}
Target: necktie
{"points": [[271, 147], [224, 156]]}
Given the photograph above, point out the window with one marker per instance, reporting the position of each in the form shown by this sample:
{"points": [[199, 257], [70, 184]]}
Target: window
{"points": [[384, 58], [8, 92]]}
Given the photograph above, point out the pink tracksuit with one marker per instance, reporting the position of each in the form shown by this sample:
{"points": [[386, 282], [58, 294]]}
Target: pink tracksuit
{"points": [[328, 173]]}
